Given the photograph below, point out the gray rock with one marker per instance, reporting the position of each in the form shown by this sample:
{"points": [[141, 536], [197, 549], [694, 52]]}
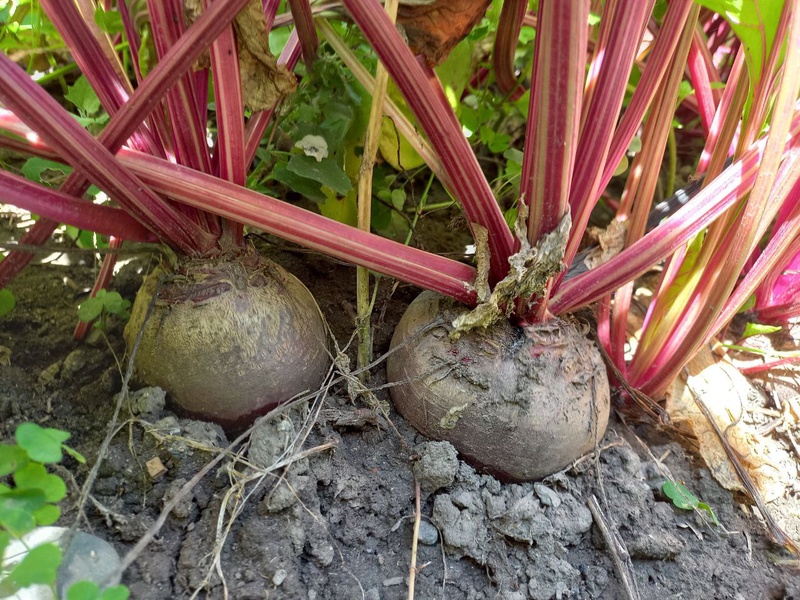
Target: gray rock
{"points": [[270, 440], [74, 363], [392, 581], [87, 557], [204, 433], [546, 495], [551, 577], [464, 531], [149, 401], [428, 534], [660, 545], [437, 465]]}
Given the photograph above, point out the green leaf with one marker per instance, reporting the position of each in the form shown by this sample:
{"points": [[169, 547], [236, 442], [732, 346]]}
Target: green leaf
{"points": [[116, 304], [5, 540], [327, 172], [43, 444], [109, 21], [83, 97], [7, 302], [755, 23], [35, 169], [88, 590], [684, 499], [758, 329], [398, 198], [17, 508], [74, 454], [118, 592], [47, 515], [39, 566], [680, 496], [11, 458], [90, 309], [297, 183], [34, 476]]}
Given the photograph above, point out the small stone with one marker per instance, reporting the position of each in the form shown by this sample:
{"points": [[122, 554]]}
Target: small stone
{"points": [[372, 594], [74, 363], [148, 401], [652, 546], [206, 434], [428, 534], [87, 557], [547, 496], [184, 506], [155, 468], [49, 375], [279, 577], [392, 581], [437, 465], [5, 356]]}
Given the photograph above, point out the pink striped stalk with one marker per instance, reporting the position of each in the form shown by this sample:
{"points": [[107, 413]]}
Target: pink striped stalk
{"points": [[755, 218], [306, 32], [555, 112], [509, 26], [657, 64], [769, 366], [292, 223], [309, 229], [701, 81], [64, 208], [609, 73], [111, 89], [141, 103], [188, 131], [43, 114], [721, 139], [470, 186], [717, 197], [642, 181], [230, 147]]}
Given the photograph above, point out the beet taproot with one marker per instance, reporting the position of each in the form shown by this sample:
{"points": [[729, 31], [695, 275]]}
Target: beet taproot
{"points": [[519, 403], [229, 339]]}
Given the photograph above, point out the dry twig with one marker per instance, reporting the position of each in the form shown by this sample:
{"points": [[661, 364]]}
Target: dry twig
{"points": [[619, 553], [412, 571]]}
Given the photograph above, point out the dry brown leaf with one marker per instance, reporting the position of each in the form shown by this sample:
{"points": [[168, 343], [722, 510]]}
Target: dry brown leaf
{"points": [[264, 81], [434, 28], [726, 393], [610, 242]]}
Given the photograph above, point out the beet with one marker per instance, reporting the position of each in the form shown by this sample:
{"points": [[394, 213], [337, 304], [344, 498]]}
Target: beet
{"points": [[519, 403], [229, 339]]}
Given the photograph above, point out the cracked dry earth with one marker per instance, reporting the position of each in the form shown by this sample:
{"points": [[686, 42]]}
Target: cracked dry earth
{"points": [[336, 520]]}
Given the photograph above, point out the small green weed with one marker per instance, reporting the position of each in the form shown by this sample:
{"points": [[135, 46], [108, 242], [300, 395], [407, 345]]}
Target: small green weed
{"points": [[684, 499], [103, 305], [28, 499]]}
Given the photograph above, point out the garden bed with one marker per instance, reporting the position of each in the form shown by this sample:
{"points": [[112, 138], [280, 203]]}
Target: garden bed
{"points": [[337, 521]]}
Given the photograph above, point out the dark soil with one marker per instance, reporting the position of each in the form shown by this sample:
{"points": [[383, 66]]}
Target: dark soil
{"points": [[337, 523]]}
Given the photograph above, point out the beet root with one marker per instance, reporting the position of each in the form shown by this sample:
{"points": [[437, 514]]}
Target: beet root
{"points": [[519, 403], [229, 339]]}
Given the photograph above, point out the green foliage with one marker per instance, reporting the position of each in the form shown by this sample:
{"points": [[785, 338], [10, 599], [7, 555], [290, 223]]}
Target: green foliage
{"points": [[88, 104], [755, 23], [101, 306], [7, 302], [752, 329], [31, 501], [28, 36], [684, 499], [87, 590]]}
